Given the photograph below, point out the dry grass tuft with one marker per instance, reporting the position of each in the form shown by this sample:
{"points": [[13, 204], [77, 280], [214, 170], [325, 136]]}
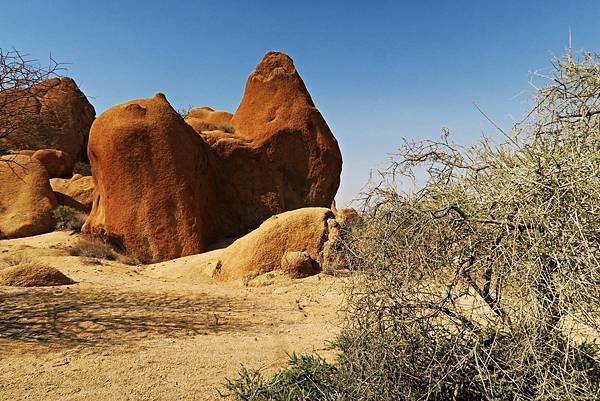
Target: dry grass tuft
{"points": [[14, 260], [94, 249], [129, 260]]}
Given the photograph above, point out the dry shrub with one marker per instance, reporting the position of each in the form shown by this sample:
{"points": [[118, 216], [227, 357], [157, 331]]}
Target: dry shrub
{"points": [[128, 260], [479, 285], [185, 111], [14, 260], [94, 248], [484, 283], [20, 88]]}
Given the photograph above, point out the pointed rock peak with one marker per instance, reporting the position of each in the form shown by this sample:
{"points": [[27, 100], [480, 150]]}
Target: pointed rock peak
{"points": [[160, 95], [274, 64]]}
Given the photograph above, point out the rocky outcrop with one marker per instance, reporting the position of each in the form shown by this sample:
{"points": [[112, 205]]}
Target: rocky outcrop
{"points": [[26, 198], [53, 114], [153, 192], [77, 192], [262, 250], [279, 153], [166, 189]]}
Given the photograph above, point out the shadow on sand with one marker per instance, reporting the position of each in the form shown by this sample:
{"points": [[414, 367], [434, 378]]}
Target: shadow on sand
{"points": [[70, 317]]}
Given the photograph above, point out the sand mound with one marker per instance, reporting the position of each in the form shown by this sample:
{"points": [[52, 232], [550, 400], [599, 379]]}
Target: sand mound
{"points": [[33, 275]]}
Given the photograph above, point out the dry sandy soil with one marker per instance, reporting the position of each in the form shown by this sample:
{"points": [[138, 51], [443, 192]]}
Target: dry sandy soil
{"points": [[158, 332]]}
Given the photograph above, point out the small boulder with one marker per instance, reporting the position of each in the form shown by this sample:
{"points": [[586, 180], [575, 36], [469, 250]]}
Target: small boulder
{"points": [[26, 198], [298, 264], [58, 164], [77, 192], [206, 119], [333, 257], [303, 231]]}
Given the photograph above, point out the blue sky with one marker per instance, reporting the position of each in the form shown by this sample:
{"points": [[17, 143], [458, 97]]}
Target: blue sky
{"points": [[378, 70]]}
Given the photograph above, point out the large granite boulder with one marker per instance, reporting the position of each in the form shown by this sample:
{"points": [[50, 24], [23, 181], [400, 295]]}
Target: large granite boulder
{"points": [[152, 184], [278, 153], [53, 114], [166, 189]]}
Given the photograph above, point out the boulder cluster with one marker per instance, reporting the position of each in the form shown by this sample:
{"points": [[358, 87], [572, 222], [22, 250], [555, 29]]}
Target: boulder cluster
{"points": [[54, 115], [49, 137], [165, 185]]}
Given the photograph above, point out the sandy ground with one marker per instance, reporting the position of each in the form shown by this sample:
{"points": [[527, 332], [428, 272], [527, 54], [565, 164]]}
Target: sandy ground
{"points": [[158, 332]]}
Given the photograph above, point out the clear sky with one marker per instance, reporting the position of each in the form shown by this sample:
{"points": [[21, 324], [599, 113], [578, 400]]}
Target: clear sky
{"points": [[377, 70]]}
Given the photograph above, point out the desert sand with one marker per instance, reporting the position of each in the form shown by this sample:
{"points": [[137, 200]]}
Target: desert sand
{"points": [[158, 332]]}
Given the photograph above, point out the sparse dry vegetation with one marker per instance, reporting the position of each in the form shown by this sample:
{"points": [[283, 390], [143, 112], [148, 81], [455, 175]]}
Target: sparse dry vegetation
{"points": [[93, 248], [185, 111], [13, 260], [68, 218], [484, 284], [127, 259], [18, 75]]}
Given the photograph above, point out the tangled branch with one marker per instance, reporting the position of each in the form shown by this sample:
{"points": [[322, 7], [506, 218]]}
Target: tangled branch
{"points": [[495, 259], [21, 86]]}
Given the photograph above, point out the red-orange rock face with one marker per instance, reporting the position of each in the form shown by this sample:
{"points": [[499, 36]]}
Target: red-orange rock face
{"points": [[278, 115], [280, 155], [151, 181], [164, 190]]}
